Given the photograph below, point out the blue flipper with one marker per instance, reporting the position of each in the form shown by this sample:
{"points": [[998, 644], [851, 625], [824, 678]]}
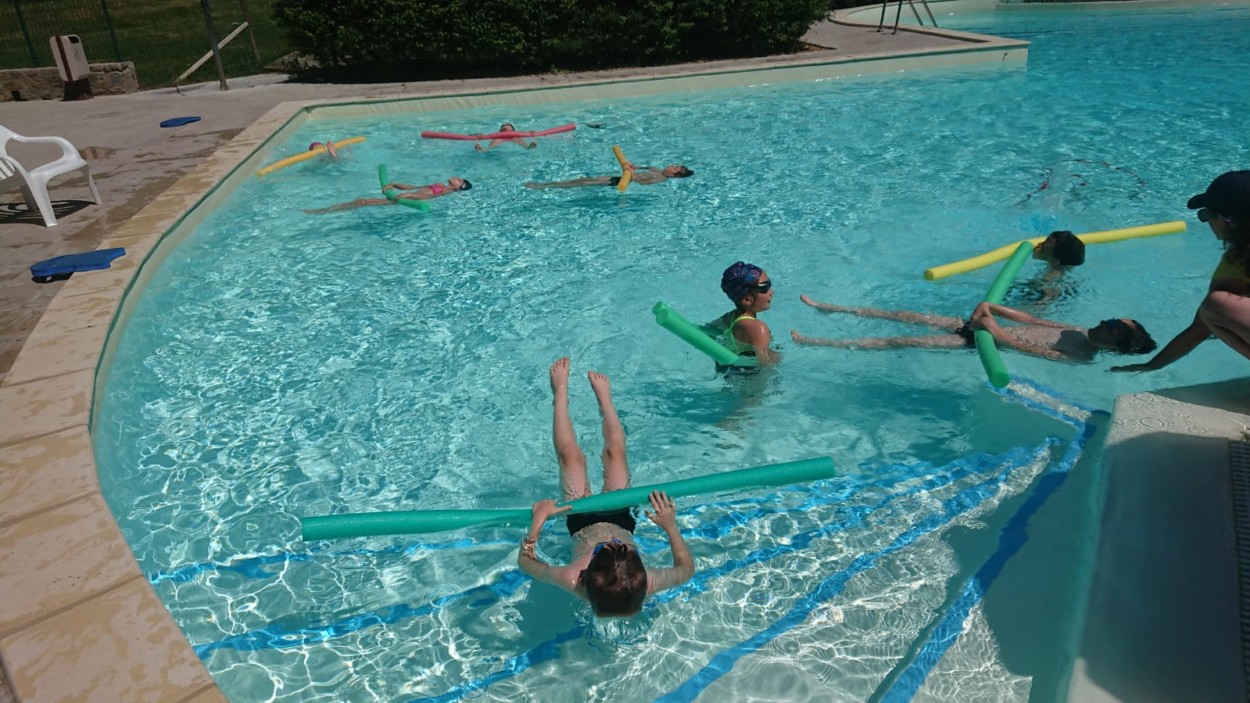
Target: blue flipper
{"points": [[69, 263], [179, 121]]}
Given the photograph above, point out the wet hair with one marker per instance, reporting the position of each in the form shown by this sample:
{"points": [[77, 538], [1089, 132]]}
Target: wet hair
{"points": [[615, 581], [682, 172], [739, 279], [1067, 249], [502, 127], [465, 184], [1140, 342]]}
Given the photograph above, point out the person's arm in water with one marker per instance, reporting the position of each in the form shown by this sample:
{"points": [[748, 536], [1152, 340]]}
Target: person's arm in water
{"points": [[994, 309], [664, 514], [1188, 340], [1007, 339], [527, 558]]}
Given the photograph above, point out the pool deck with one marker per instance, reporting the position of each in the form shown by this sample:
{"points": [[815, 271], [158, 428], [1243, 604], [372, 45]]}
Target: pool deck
{"points": [[79, 621]]}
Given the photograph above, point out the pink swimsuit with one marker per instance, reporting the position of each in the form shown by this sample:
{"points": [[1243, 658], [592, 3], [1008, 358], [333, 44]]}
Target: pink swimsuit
{"points": [[438, 188]]}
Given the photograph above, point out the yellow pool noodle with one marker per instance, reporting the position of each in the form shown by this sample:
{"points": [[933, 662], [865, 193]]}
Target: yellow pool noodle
{"points": [[1112, 235], [626, 174], [291, 160]]}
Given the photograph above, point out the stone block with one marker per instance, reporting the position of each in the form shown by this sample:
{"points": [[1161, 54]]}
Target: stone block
{"points": [[116, 78]]}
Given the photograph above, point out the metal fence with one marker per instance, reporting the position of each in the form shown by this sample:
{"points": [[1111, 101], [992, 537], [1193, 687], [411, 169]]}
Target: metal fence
{"points": [[162, 37]]}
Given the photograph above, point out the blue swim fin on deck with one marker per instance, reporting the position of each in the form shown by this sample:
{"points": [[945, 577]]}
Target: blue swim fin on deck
{"points": [[59, 267], [179, 121]]}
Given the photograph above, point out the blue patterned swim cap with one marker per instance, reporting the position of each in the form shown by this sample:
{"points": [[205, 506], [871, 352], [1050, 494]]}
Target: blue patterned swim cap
{"points": [[740, 279]]}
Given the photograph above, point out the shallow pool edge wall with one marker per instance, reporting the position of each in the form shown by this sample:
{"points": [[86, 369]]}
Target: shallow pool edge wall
{"points": [[1162, 613], [870, 15]]}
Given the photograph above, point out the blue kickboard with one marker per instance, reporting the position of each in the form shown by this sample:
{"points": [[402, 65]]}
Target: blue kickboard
{"points": [[69, 263], [179, 121]]}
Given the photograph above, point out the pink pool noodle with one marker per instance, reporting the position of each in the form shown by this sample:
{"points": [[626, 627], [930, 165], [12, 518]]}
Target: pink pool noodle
{"points": [[499, 135]]}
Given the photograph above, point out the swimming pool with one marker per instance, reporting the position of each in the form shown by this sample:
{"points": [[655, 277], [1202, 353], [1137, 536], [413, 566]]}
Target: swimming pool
{"points": [[281, 365]]}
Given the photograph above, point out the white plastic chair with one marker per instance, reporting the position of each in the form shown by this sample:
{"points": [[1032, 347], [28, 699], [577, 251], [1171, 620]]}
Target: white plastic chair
{"points": [[34, 182]]}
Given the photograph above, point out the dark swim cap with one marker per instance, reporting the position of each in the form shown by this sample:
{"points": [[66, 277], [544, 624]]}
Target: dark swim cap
{"points": [[740, 279]]}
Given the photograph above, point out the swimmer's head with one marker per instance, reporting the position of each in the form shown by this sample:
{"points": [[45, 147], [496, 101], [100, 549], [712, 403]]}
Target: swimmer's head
{"points": [[677, 171], [314, 145], [459, 183], [615, 580], [1122, 335], [1062, 248], [740, 280], [507, 127]]}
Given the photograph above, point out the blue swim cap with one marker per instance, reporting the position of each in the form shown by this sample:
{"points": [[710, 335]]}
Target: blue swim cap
{"points": [[740, 279]]}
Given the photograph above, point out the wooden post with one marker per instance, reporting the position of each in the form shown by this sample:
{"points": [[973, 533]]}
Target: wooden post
{"points": [[247, 17], [212, 40]]}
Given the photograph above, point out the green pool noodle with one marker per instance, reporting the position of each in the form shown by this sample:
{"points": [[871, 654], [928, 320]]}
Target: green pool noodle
{"points": [[995, 369], [697, 338], [418, 205], [412, 522]]}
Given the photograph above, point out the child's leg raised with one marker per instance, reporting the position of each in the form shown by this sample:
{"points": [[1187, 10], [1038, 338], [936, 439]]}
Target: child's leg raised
{"points": [[573, 481], [615, 468]]}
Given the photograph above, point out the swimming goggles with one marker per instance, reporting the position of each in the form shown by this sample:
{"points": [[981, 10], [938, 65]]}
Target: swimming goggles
{"points": [[763, 287], [599, 547]]}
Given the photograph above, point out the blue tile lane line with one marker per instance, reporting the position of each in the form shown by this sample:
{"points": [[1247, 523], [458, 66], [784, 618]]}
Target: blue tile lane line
{"points": [[549, 649], [276, 636], [963, 501], [1013, 536]]}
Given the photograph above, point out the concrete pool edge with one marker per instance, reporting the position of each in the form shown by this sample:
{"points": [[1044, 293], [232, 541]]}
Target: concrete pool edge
{"points": [[1161, 619]]}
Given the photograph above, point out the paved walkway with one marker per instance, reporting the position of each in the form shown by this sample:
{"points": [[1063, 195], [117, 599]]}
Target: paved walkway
{"points": [[134, 160]]}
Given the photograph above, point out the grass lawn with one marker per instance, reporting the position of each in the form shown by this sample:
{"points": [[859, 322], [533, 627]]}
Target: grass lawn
{"points": [[162, 37]]}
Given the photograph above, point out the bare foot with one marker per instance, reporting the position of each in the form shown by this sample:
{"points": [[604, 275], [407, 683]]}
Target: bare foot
{"points": [[827, 307], [478, 147], [798, 337], [560, 379], [603, 387]]}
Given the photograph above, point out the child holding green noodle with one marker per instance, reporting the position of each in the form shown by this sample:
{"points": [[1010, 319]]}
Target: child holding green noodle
{"points": [[607, 569]]}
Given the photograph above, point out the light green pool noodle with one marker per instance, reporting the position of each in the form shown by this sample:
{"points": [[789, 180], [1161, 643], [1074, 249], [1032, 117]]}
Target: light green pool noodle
{"points": [[697, 338], [418, 205], [412, 522], [995, 369]]}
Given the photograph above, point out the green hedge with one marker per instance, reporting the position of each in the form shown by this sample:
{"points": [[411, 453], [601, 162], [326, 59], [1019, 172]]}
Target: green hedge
{"points": [[388, 40]]}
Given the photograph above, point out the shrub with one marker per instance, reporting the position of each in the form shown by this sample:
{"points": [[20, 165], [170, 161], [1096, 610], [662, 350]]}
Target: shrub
{"points": [[383, 40]]}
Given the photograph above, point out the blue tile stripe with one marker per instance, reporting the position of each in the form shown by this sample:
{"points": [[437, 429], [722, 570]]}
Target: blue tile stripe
{"points": [[909, 675], [963, 501], [549, 650], [950, 626], [277, 636]]}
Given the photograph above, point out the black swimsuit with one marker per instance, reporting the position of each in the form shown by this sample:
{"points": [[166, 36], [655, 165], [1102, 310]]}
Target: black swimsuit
{"points": [[623, 518], [969, 335]]}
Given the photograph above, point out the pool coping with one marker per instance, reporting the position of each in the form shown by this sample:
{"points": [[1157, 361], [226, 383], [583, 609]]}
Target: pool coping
{"points": [[81, 621]]}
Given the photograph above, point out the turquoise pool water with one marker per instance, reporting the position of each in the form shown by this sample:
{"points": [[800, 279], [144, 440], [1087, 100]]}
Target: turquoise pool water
{"points": [[282, 364]]}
